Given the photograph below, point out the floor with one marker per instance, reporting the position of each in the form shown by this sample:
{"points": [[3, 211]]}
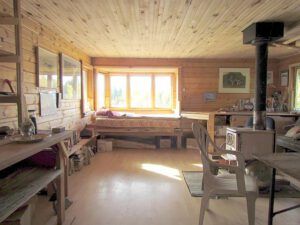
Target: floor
{"points": [[146, 187]]}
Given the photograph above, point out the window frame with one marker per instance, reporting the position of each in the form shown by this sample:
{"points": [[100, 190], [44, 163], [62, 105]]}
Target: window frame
{"points": [[128, 90], [295, 87]]}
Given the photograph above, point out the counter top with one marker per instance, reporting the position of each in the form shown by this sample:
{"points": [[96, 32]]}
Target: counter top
{"points": [[205, 115]]}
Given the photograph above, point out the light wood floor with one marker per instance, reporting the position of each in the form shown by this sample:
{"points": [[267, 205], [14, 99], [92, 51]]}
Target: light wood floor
{"points": [[146, 187]]}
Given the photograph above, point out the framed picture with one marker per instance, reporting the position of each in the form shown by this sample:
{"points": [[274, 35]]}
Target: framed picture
{"points": [[234, 80], [70, 77], [284, 78], [210, 96], [270, 77], [48, 104], [47, 68]]}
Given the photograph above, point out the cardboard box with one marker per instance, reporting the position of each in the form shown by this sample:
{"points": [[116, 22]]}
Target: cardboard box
{"points": [[191, 143], [165, 143], [104, 145]]}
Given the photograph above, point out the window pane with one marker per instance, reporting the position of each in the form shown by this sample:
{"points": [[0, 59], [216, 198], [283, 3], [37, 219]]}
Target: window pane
{"points": [[140, 92], [118, 89], [163, 91], [100, 91], [297, 92]]}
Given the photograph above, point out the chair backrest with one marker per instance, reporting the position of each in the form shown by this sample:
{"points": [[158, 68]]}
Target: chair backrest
{"points": [[203, 140], [270, 123]]}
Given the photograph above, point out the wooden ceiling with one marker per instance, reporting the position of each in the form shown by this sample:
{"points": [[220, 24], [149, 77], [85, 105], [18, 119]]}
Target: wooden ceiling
{"points": [[163, 28]]}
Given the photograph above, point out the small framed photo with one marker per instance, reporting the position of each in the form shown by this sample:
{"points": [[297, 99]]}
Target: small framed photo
{"points": [[270, 77], [284, 78], [210, 96]]}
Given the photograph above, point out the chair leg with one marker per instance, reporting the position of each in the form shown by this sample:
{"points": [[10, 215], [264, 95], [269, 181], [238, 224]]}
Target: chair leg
{"points": [[204, 206], [251, 209]]}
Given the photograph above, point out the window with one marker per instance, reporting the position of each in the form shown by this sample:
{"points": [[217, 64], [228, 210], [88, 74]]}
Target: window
{"points": [[118, 91], [140, 91], [163, 91], [100, 91], [297, 89]]}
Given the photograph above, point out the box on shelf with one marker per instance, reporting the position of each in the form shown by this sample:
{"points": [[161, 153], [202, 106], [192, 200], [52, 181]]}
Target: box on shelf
{"points": [[21, 216], [238, 121], [104, 145]]}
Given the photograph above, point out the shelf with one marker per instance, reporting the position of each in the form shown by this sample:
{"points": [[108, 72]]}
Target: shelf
{"points": [[8, 20], [8, 99], [25, 184], [79, 145]]}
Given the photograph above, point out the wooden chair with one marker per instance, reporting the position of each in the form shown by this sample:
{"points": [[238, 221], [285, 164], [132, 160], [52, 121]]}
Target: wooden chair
{"points": [[236, 184]]}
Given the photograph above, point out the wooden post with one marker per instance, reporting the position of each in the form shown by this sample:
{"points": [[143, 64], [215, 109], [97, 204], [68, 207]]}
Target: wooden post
{"points": [[19, 64]]}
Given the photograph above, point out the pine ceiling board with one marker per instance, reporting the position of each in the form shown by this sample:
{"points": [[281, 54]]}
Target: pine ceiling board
{"points": [[161, 28]]}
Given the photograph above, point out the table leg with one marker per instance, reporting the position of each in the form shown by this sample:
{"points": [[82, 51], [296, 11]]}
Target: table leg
{"points": [[271, 198], [179, 141], [63, 149], [157, 142], [60, 188]]}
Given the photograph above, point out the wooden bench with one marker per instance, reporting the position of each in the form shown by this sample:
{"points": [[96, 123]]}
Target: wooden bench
{"points": [[156, 132]]}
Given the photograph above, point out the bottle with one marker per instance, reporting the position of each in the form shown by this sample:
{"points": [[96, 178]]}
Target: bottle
{"points": [[32, 117]]}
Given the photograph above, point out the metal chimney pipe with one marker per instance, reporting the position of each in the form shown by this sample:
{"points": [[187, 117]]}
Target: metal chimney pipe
{"points": [[261, 64], [260, 34]]}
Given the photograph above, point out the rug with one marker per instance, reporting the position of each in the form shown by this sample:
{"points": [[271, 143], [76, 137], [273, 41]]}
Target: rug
{"points": [[193, 180]]}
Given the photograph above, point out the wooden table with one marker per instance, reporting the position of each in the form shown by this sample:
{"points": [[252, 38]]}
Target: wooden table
{"points": [[286, 163], [32, 180], [289, 143]]}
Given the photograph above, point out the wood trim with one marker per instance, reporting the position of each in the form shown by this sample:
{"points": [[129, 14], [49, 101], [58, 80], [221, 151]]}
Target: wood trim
{"points": [[82, 103], [19, 65], [37, 66], [61, 71], [95, 88]]}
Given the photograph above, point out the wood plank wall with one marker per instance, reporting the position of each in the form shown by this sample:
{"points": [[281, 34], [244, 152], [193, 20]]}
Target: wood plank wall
{"points": [[34, 34], [196, 77]]}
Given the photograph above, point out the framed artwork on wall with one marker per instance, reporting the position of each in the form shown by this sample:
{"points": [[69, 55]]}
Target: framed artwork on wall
{"points": [[70, 77], [47, 68], [48, 104], [234, 80], [270, 77], [284, 78]]}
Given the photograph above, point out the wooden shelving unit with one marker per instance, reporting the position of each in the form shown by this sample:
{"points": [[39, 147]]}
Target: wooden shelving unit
{"points": [[17, 58], [24, 185], [77, 147]]}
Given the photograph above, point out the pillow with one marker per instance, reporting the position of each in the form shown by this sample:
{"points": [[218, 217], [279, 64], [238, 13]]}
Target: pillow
{"points": [[105, 112], [293, 131]]}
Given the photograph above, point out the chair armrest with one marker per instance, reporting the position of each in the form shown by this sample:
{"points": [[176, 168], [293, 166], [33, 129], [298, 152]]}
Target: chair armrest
{"points": [[239, 157]]}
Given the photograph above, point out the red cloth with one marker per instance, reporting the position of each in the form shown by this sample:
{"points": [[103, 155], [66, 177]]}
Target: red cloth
{"points": [[45, 158]]}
